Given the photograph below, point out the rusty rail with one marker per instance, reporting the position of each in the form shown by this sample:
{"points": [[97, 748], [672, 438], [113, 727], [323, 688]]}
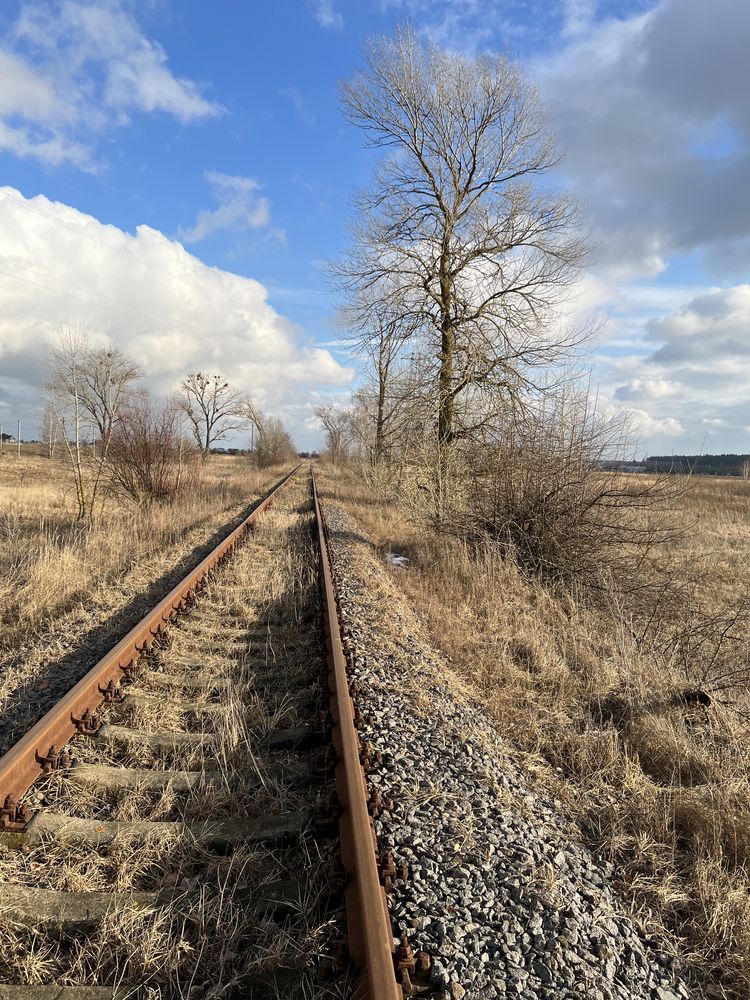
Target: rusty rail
{"points": [[368, 923], [37, 752]]}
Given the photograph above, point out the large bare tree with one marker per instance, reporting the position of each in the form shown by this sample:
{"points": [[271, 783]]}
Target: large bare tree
{"points": [[456, 234], [212, 407]]}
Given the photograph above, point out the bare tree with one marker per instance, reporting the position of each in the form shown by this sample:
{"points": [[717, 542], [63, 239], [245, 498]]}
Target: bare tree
{"points": [[274, 445], [453, 235], [107, 378], [87, 388], [336, 423], [248, 410], [49, 429], [212, 407]]}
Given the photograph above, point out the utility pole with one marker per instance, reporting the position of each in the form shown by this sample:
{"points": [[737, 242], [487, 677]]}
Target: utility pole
{"points": [[18, 438]]}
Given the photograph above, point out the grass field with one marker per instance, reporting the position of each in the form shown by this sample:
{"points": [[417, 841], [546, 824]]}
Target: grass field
{"points": [[634, 716], [601, 703], [48, 561]]}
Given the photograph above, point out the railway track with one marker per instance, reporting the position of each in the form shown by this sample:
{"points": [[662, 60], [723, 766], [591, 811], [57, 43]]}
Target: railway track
{"points": [[192, 818]]}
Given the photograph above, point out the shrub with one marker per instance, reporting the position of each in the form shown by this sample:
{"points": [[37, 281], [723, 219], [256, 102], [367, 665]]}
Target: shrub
{"points": [[544, 492], [147, 460]]}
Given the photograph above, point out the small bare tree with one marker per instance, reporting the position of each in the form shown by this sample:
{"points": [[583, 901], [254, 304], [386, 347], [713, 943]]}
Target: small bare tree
{"points": [[87, 389], [212, 407], [145, 456], [336, 423], [49, 429], [454, 236], [274, 445], [382, 399]]}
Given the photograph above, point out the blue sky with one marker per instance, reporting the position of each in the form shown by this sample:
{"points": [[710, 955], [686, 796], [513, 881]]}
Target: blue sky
{"points": [[216, 128]]}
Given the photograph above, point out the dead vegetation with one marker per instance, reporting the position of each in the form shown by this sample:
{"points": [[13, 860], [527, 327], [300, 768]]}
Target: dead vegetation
{"points": [[633, 711], [48, 560], [208, 942]]}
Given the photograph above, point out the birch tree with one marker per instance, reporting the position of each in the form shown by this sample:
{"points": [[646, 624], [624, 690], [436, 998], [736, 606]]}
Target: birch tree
{"points": [[456, 233], [87, 387]]}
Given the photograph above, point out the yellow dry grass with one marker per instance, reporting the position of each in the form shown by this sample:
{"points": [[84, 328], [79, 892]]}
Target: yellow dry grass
{"points": [[207, 940], [48, 561], [594, 706]]}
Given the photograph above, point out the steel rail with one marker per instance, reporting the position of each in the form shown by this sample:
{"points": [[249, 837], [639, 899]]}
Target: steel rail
{"points": [[30, 757], [371, 944]]}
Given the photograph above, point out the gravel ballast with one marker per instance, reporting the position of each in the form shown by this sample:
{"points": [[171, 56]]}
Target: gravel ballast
{"points": [[499, 892]]}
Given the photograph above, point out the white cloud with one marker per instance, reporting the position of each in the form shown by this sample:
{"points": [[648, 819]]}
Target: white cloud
{"points": [[648, 426], [652, 116], [24, 93], [578, 16], [690, 365], [326, 15], [647, 388], [711, 329], [157, 302], [78, 69], [240, 208]]}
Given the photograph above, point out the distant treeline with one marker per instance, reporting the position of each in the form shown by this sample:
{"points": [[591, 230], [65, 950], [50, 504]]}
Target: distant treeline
{"points": [[702, 465]]}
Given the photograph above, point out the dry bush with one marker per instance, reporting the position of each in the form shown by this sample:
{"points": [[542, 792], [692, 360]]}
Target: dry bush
{"points": [[600, 707], [147, 460], [274, 446], [540, 492]]}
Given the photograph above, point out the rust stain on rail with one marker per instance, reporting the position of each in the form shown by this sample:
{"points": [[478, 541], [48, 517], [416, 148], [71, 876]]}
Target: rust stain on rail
{"points": [[371, 943], [39, 750]]}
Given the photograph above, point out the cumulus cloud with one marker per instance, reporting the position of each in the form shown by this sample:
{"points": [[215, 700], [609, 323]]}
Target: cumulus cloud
{"points": [[651, 112], [77, 68], [154, 300], [645, 425], [691, 365], [240, 208], [711, 329]]}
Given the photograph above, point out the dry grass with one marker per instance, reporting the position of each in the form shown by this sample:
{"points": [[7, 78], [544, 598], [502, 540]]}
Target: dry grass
{"points": [[206, 942], [67, 593], [48, 561], [593, 700]]}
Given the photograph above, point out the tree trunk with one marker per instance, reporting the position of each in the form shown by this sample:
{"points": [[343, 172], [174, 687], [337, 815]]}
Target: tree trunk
{"points": [[445, 387], [447, 348], [380, 422]]}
